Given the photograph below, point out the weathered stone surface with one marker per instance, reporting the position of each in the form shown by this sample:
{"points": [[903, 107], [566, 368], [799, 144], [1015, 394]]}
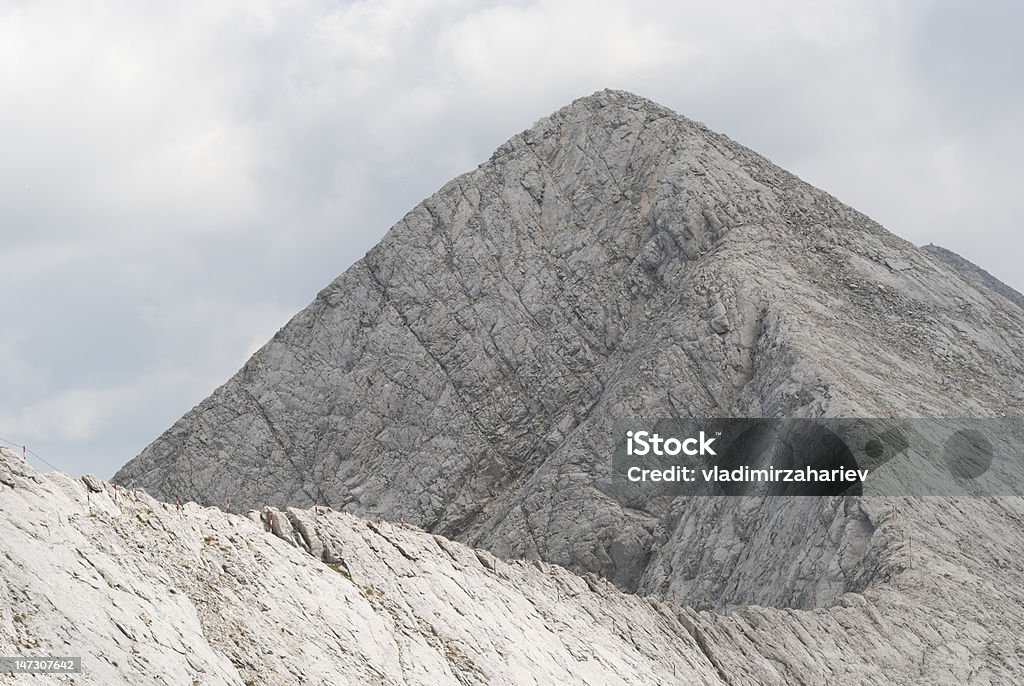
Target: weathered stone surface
{"points": [[92, 483], [973, 273], [615, 260], [150, 595], [147, 594]]}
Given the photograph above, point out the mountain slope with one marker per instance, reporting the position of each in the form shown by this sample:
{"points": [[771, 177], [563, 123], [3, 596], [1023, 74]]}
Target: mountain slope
{"points": [[974, 273], [616, 260], [147, 594]]}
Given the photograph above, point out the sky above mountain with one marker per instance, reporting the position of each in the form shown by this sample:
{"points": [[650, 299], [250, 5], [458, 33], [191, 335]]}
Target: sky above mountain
{"points": [[177, 180]]}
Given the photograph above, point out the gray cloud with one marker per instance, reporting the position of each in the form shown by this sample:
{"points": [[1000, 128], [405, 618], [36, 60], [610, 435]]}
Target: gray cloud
{"points": [[176, 181]]}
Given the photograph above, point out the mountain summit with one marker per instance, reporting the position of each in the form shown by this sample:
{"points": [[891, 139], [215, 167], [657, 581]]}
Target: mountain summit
{"points": [[615, 260]]}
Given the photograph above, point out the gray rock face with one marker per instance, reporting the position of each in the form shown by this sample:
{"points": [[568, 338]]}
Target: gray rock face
{"points": [[616, 260], [973, 273], [148, 594]]}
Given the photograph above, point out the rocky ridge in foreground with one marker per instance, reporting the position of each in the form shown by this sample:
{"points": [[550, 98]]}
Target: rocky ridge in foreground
{"points": [[149, 594]]}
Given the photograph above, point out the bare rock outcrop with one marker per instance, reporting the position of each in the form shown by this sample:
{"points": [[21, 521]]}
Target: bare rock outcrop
{"points": [[616, 260], [147, 593], [973, 273]]}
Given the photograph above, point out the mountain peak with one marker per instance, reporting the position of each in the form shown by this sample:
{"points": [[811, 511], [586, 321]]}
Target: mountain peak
{"points": [[613, 261], [468, 376], [602, 110], [610, 97]]}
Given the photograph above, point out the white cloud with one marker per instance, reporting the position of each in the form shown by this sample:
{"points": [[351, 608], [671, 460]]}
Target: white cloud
{"points": [[177, 179]]}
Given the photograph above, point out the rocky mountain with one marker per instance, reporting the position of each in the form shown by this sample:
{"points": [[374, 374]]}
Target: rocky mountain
{"points": [[454, 392], [150, 593], [616, 260], [973, 273]]}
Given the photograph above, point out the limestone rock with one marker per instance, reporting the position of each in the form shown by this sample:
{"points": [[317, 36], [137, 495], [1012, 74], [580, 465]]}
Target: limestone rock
{"points": [[973, 273], [616, 260], [147, 594], [92, 483]]}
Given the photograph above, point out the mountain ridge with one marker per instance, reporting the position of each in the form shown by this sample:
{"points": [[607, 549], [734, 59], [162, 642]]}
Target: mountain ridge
{"points": [[615, 260], [455, 391], [975, 274], [150, 592]]}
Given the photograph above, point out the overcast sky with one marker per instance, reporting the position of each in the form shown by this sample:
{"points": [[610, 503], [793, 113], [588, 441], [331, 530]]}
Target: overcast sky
{"points": [[178, 179]]}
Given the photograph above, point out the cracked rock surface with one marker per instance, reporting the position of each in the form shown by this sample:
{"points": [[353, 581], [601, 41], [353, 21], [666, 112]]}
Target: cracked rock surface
{"points": [[974, 273], [614, 261], [148, 594]]}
